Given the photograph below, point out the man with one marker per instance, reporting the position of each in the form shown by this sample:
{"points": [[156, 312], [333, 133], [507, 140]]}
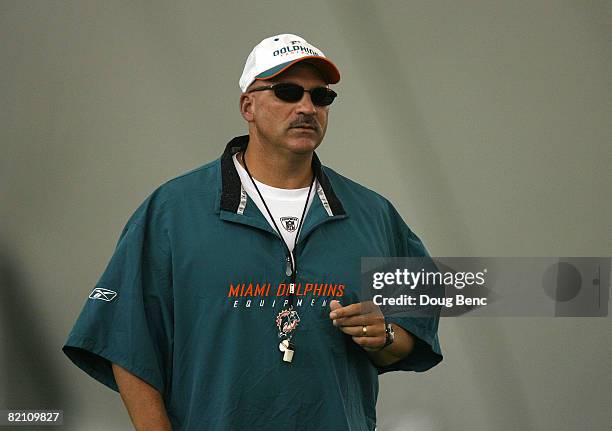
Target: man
{"points": [[232, 299]]}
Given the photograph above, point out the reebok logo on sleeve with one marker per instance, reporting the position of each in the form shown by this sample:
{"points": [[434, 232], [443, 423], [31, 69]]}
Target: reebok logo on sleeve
{"points": [[103, 294]]}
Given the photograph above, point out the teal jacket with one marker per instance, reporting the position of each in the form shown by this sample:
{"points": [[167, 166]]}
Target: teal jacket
{"points": [[190, 299]]}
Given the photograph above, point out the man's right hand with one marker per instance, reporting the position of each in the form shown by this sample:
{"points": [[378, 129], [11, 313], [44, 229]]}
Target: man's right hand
{"points": [[143, 402]]}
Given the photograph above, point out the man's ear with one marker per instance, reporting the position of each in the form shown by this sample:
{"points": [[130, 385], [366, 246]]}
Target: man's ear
{"points": [[246, 106]]}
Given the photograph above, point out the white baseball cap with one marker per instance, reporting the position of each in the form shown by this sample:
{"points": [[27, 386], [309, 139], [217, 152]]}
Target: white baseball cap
{"points": [[275, 54]]}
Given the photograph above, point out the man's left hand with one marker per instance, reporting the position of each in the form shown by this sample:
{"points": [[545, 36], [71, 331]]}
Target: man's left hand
{"points": [[363, 321]]}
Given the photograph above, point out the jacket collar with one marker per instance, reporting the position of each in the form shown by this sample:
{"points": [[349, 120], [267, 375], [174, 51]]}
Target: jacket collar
{"points": [[231, 188]]}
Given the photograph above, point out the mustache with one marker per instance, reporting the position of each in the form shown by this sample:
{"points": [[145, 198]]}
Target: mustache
{"points": [[306, 121]]}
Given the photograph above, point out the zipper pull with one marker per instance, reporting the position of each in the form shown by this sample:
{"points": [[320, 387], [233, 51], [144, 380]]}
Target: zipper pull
{"points": [[288, 269]]}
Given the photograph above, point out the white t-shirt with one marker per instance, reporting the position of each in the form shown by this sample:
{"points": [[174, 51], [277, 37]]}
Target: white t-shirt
{"points": [[286, 205]]}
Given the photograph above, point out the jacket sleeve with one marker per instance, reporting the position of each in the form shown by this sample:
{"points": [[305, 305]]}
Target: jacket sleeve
{"points": [[426, 352], [128, 317]]}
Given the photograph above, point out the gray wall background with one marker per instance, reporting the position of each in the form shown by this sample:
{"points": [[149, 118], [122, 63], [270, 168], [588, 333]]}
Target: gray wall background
{"points": [[487, 123]]}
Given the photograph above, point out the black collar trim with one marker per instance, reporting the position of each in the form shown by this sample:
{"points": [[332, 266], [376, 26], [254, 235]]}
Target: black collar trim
{"points": [[231, 186]]}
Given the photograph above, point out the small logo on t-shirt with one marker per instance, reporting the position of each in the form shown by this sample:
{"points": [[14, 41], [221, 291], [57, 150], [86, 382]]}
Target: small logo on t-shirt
{"points": [[103, 294], [289, 223], [286, 322]]}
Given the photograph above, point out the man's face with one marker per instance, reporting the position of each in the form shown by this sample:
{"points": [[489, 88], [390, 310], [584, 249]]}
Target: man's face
{"points": [[283, 126]]}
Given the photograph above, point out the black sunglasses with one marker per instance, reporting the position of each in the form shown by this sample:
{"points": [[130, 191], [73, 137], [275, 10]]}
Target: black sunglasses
{"points": [[320, 96]]}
